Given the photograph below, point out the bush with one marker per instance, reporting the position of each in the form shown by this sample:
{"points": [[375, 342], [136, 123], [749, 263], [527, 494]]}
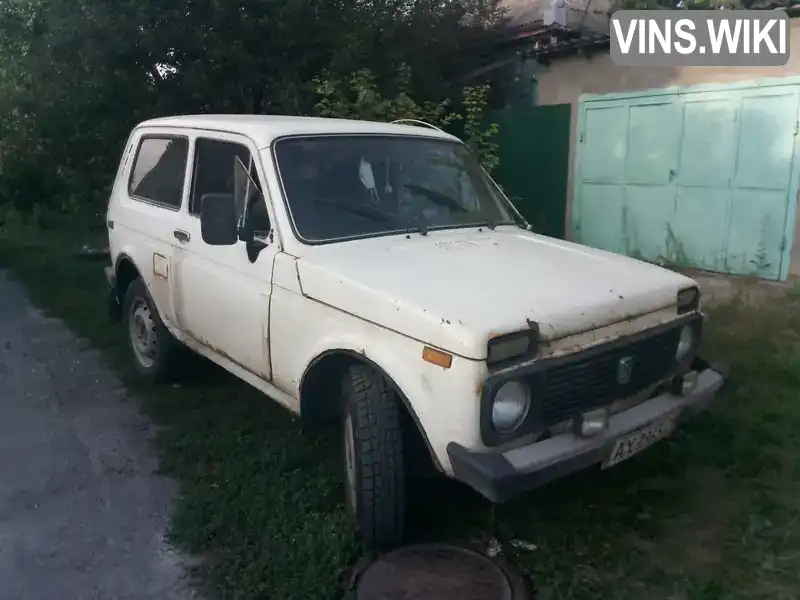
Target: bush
{"points": [[360, 98]]}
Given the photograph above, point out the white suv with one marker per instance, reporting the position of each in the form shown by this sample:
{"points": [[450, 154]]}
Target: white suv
{"points": [[373, 276]]}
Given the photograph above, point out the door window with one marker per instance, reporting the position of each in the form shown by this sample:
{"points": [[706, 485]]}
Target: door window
{"points": [[222, 167]]}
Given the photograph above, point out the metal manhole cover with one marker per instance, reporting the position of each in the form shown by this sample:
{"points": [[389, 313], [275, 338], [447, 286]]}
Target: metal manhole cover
{"points": [[439, 572]]}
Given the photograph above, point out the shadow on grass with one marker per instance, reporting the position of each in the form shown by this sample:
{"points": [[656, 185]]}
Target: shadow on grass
{"points": [[711, 513]]}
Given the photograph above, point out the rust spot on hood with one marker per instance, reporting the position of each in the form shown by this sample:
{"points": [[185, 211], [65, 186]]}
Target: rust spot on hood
{"points": [[529, 323]]}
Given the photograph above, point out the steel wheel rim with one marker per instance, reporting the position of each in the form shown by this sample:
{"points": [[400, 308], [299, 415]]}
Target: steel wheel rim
{"points": [[350, 462], [142, 333]]}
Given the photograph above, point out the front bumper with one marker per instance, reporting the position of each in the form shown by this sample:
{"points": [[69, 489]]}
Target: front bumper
{"points": [[499, 476]]}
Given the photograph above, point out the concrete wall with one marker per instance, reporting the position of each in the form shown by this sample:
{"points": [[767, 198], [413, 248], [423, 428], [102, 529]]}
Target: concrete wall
{"points": [[565, 79]]}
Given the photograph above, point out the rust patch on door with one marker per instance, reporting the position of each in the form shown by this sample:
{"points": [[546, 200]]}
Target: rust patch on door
{"points": [[261, 374]]}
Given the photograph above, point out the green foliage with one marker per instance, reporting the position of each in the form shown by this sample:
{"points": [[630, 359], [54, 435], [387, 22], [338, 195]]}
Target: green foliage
{"points": [[478, 136], [77, 75], [360, 97], [710, 513]]}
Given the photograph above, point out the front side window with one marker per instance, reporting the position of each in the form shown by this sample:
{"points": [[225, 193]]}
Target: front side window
{"points": [[340, 187], [158, 170], [222, 167]]}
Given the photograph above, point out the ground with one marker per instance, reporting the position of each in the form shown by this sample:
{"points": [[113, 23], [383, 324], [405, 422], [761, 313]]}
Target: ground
{"points": [[83, 512], [711, 514]]}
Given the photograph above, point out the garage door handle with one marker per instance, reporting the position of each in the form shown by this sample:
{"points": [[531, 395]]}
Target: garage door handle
{"points": [[672, 174], [181, 236]]}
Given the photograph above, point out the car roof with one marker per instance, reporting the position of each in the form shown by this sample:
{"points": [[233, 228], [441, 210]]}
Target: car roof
{"points": [[264, 129]]}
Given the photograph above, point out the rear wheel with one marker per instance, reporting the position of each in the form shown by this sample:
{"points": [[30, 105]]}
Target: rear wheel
{"points": [[375, 478], [155, 351]]}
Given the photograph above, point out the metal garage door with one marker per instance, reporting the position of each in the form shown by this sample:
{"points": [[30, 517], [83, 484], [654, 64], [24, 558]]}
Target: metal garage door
{"points": [[702, 176]]}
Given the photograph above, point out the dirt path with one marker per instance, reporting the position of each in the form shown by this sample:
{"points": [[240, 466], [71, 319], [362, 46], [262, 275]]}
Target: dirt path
{"points": [[82, 511]]}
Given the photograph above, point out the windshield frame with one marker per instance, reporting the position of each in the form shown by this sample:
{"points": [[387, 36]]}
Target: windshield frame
{"points": [[389, 232]]}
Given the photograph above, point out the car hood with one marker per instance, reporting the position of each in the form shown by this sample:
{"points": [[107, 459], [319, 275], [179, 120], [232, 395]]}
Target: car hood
{"points": [[456, 289]]}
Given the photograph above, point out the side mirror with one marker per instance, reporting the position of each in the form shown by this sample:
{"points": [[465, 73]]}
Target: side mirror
{"points": [[218, 223]]}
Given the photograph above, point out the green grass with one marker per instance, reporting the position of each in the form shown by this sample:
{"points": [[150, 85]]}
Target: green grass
{"points": [[711, 514]]}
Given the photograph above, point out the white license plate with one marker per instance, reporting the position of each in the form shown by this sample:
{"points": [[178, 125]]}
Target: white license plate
{"points": [[635, 442]]}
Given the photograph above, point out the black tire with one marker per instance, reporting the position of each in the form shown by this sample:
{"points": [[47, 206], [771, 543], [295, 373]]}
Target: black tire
{"points": [[375, 478], [165, 352]]}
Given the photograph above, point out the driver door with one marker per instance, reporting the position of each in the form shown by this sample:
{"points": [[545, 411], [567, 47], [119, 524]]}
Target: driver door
{"points": [[222, 294]]}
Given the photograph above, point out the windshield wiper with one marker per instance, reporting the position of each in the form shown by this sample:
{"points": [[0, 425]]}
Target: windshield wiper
{"points": [[363, 210], [487, 222], [438, 197], [445, 200], [422, 228]]}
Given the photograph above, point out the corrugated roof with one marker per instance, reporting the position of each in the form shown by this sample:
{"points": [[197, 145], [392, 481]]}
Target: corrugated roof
{"points": [[592, 15]]}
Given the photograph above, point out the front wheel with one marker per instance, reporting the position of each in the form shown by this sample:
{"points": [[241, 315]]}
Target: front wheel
{"points": [[375, 478]]}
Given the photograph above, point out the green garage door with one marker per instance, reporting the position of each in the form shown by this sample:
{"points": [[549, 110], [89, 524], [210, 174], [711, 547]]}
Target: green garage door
{"points": [[703, 177]]}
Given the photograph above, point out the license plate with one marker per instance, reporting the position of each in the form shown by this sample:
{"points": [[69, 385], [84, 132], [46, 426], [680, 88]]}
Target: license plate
{"points": [[635, 442]]}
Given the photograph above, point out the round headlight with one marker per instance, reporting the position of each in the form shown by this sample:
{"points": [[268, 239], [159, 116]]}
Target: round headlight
{"points": [[511, 403], [685, 343]]}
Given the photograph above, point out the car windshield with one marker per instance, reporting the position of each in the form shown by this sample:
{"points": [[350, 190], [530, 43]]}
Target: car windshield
{"points": [[344, 187]]}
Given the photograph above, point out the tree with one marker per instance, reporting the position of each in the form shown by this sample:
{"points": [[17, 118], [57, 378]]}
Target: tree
{"points": [[76, 75], [359, 98]]}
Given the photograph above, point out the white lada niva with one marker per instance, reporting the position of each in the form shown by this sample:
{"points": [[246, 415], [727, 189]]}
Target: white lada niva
{"points": [[372, 276]]}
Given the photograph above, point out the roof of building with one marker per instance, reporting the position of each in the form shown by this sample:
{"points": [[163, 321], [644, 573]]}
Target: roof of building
{"points": [[551, 28], [592, 15], [264, 129]]}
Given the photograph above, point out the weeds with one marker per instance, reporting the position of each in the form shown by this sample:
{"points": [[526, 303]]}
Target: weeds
{"points": [[711, 514]]}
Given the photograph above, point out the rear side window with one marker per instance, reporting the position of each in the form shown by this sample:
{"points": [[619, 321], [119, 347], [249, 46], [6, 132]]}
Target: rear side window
{"points": [[158, 170]]}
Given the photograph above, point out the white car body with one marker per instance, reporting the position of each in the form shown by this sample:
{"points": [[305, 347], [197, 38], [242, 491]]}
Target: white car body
{"points": [[384, 298]]}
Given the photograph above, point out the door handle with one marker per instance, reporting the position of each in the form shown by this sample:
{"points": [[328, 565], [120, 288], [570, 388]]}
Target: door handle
{"points": [[181, 236]]}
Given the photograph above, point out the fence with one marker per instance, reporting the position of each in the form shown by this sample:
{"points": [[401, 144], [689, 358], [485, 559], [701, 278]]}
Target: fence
{"points": [[534, 159]]}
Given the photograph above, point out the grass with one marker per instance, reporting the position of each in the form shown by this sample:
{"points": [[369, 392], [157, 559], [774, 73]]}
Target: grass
{"points": [[711, 514]]}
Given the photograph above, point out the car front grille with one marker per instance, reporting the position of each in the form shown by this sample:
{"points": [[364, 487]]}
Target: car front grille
{"points": [[565, 386], [589, 379]]}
